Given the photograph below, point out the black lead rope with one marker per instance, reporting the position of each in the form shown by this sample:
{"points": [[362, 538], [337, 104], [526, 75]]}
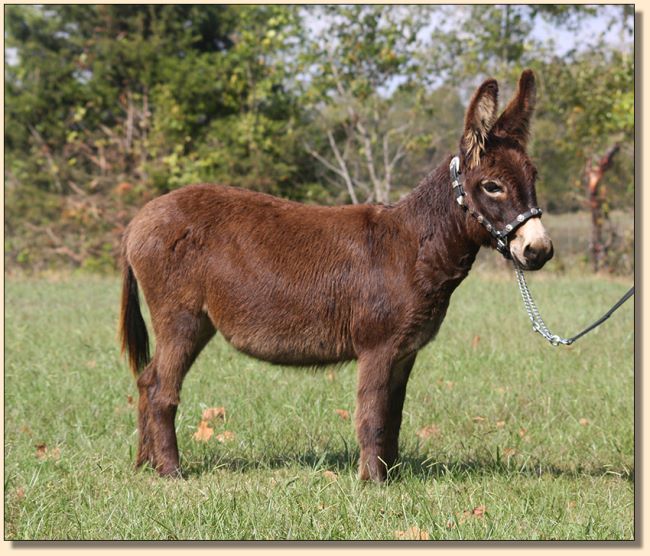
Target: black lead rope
{"points": [[602, 319]]}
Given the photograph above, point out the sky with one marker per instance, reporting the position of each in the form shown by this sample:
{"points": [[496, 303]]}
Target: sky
{"points": [[563, 40]]}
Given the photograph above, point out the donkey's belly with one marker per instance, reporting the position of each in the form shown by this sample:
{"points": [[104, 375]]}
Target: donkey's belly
{"points": [[288, 343], [282, 328]]}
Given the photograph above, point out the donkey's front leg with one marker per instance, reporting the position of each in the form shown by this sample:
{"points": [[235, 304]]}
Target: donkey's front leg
{"points": [[380, 398]]}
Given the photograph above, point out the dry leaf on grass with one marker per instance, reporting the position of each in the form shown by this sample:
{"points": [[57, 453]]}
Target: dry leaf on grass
{"points": [[522, 432], [225, 436], [477, 512], [501, 424], [203, 432], [331, 376], [448, 384], [129, 400], [20, 493], [509, 452], [43, 452], [428, 432], [475, 341], [478, 419], [330, 475], [584, 422], [412, 534], [214, 413], [343, 414]]}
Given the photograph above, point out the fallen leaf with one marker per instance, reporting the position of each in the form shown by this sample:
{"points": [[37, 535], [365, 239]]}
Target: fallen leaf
{"points": [[412, 534], [478, 419], [91, 364], [331, 375], [448, 384], [571, 504], [20, 493], [41, 451], [428, 432], [479, 511], [225, 436], [522, 432], [475, 341], [509, 452], [450, 524], [584, 422], [213, 413], [343, 414], [129, 400], [203, 432], [501, 424], [330, 475]]}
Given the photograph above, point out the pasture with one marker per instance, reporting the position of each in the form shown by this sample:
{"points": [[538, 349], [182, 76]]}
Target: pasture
{"points": [[504, 437]]}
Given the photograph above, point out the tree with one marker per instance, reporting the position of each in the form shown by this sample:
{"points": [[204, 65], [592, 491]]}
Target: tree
{"points": [[360, 54]]}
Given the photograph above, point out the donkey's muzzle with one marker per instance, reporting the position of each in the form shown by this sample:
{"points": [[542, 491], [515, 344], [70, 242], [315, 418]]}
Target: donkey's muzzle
{"points": [[536, 255], [531, 247]]}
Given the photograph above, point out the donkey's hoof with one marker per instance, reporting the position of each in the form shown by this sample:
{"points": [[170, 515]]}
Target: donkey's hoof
{"points": [[171, 471], [376, 473]]}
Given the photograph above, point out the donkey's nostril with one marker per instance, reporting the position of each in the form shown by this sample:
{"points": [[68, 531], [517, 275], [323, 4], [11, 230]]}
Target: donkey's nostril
{"points": [[537, 256]]}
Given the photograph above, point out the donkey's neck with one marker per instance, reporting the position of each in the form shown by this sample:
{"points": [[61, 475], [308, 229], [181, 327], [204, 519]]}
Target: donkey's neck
{"points": [[446, 251]]}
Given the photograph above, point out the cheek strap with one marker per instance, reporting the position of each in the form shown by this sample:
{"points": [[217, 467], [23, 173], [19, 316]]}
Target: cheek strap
{"points": [[502, 237]]}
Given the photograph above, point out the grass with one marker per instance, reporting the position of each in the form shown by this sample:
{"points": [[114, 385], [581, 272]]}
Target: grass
{"points": [[529, 441]]}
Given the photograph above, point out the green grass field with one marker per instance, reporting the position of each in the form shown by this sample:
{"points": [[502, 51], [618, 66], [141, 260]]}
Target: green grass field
{"points": [[504, 436]]}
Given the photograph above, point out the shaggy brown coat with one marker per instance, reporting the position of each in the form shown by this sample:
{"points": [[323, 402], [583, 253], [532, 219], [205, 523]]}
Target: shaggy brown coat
{"points": [[303, 285]]}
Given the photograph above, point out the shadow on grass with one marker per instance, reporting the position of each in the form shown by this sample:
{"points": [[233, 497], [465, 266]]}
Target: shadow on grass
{"points": [[409, 465]]}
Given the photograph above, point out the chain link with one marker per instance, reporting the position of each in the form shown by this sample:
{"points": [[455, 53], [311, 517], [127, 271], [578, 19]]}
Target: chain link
{"points": [[533, 313]]}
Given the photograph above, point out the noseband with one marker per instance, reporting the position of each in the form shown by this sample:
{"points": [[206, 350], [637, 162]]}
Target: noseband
{"points": [[502, 237]]}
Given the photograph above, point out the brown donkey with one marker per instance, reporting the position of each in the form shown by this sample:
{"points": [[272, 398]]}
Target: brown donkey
{"points": [[303, 285]]}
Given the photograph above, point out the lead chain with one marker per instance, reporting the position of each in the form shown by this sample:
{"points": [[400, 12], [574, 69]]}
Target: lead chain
{"points": [[533, 312]]}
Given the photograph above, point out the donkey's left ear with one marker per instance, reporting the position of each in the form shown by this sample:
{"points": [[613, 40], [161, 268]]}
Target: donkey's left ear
{"points": [[479, 119], [515, 120]]}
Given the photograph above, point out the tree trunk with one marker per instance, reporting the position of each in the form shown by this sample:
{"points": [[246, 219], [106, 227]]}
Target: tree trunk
{"points": [[597, 196]]}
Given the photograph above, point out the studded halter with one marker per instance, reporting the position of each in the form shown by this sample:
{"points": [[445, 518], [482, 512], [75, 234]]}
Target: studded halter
{"points": [[502, 237]]}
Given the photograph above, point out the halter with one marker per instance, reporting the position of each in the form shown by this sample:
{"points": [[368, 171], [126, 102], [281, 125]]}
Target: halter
{"points": [[502, 237]]}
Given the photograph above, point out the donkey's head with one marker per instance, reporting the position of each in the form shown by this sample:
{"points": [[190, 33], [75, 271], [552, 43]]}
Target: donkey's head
{"points": [[499, 177]]}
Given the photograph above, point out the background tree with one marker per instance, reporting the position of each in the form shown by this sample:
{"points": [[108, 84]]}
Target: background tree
{"points": [[361, 54], [107, 106]]}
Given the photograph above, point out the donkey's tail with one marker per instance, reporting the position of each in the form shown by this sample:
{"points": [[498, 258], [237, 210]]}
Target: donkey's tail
{"points": [[133, 330]]}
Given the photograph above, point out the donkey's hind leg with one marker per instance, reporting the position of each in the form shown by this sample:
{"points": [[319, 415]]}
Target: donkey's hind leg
{"points": [[179, 342]]}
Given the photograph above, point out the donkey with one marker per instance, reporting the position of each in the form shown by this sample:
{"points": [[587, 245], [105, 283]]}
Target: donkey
{"points": [[295, 284]]}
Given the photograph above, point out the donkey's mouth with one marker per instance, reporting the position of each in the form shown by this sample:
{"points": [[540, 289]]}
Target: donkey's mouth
{"points": [[530, 258]]}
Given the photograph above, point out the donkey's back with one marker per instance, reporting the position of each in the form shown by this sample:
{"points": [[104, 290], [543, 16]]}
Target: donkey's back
{"points": [[281, 281]]}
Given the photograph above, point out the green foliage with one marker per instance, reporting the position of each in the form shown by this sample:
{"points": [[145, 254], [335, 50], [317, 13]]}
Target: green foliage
{"points": [[107, 106]]}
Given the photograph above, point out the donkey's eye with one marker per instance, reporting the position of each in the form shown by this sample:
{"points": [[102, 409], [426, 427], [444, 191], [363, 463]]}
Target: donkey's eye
{"points": [[492, 188]]}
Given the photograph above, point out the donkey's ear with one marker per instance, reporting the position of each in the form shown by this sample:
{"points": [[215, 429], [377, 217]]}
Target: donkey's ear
{"points": [[479, 119], [515, 120]]}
